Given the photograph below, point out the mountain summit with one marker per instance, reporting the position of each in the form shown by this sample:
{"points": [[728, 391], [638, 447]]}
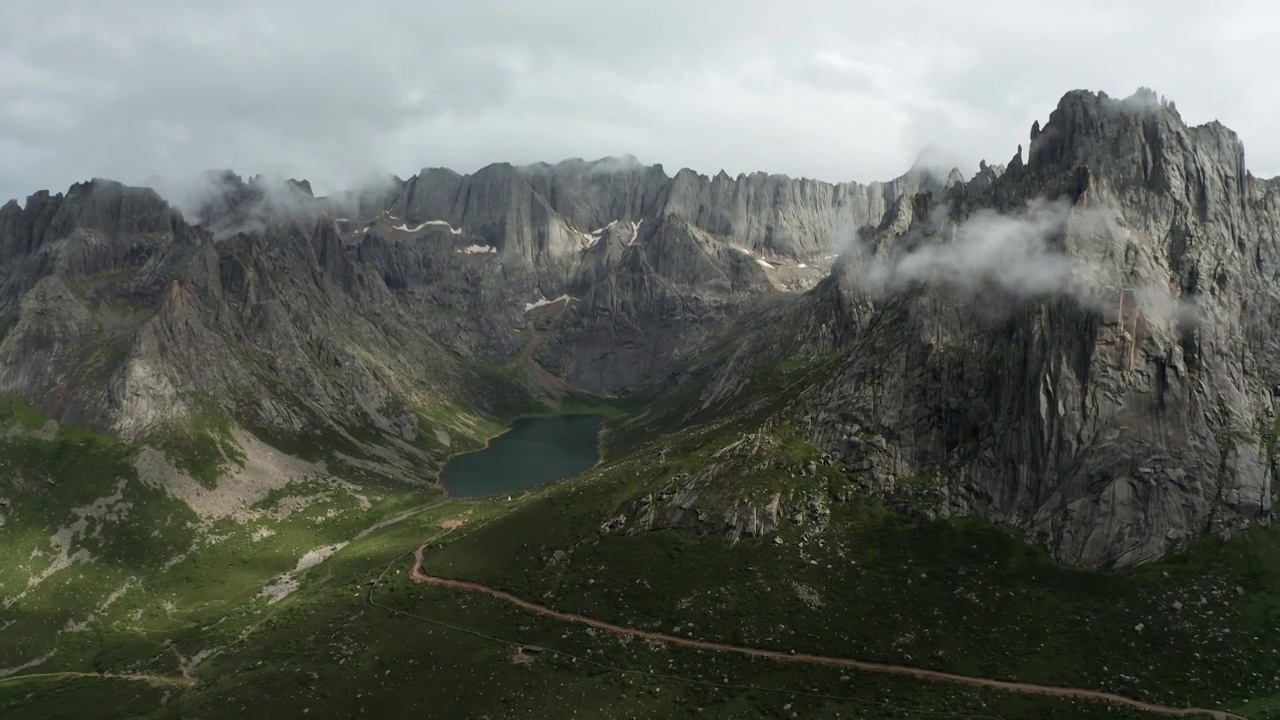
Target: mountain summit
{"points": [[1081, 346]]}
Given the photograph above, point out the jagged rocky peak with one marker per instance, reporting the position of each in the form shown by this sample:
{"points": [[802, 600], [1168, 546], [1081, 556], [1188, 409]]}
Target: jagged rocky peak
{"points": [[679, 251], [433, 194], [113, 207], [604, 165], [1139, 139], [540, 212], [1116, 406], [985, 177], [104, 208], [302, 186]]}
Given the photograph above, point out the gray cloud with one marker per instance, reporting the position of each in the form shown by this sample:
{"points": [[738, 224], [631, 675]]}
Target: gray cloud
{"points": [[1022, 254], [1009, 251], [336, 91]]}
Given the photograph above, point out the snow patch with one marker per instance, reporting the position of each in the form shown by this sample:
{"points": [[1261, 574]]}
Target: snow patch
{"points": [[596, 235], [764, 264], [543, 302], [479, 250], [802, 266], [405, 226], [287, 582], [635, 232], [742, 250]]}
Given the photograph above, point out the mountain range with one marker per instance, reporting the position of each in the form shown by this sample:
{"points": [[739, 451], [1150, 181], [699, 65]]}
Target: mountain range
{"points": [[1024, 422], [1108, 426]]}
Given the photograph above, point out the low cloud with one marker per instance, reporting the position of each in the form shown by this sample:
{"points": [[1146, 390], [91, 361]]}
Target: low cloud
{"points": [[1022, 254], [607, 165], [937, 163], [989, 249], [226, 204]]}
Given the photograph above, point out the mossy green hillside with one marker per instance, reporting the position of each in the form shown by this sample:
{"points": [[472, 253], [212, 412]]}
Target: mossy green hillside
{"points": [[870, 583], [98, 568], [340, 646], [958, 595]]}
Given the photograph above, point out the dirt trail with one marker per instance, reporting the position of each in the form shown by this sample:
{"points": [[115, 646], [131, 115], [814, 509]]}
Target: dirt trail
{"points": [[157, 680], [188, 678], [863, 666]]}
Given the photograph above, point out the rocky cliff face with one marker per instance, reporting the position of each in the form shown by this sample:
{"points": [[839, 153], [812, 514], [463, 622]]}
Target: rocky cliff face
{"points": [[649, 264], [349, 311], [643, 302], [122, 317], [655, 263], [101, 246], [1081, 346], [544, 211]]}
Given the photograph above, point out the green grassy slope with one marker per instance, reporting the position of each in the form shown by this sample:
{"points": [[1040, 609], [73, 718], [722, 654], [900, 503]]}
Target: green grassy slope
{"points": [[952, 596], [340, 647], [958, 595], [160, 589]]}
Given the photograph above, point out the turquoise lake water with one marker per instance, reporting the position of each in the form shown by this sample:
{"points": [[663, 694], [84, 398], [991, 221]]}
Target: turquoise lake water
{"points": [[533, 452]]}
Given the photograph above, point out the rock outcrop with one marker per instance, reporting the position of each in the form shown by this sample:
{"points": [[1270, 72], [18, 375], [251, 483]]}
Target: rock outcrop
{"points": [[546, 210], [120, 316], [1081, 346]]}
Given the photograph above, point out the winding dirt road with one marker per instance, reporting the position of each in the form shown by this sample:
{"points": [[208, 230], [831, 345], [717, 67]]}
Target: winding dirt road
{"points": [[860, 665]]}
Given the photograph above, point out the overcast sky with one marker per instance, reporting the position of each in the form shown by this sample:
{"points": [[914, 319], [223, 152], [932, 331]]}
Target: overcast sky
{"points": [[839, 90]]}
